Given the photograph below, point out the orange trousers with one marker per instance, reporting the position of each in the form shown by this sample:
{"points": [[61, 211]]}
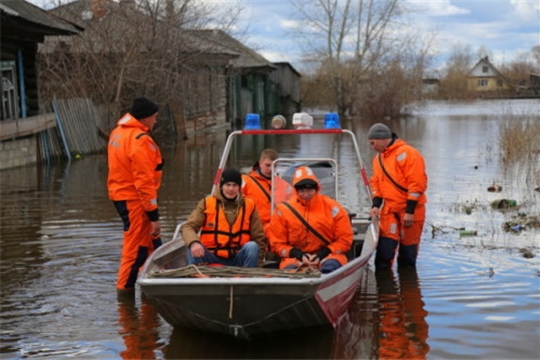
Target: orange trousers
{"points": [[138, 244], [393, 233]]}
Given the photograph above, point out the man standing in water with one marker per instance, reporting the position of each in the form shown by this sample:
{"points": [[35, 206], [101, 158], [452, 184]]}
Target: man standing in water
{"points": [[398, 185], [135, 169]]}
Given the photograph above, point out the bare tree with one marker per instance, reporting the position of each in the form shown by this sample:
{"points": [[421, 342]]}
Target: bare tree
{"points": [[458, 65], [132, 47], [350, 39], [535, 53]]}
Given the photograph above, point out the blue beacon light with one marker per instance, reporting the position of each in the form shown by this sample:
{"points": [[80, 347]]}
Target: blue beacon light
{"points": [[331, 121], [253, 122]]}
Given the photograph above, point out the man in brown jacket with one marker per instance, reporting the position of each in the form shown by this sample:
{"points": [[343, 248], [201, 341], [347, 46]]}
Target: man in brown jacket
{"points": [[231, 232]]}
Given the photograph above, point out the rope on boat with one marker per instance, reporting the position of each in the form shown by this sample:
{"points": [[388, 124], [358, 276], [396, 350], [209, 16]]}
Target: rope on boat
{"points": [[205, 271], [231, 303]]}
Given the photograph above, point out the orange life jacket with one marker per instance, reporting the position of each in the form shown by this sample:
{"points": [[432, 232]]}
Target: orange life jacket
{"points": [[218, 236], [258, 188]]}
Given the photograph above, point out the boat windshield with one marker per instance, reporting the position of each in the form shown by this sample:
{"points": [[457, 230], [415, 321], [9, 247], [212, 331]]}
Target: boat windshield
{"points": [[333, 155]]}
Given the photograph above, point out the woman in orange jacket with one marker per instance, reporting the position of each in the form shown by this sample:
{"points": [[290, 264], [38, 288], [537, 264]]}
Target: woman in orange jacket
{"points": [[311, 229], [135, 169], [398, 185]]}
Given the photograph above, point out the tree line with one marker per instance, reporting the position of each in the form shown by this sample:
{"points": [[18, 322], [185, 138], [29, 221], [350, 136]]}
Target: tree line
{"points": [[362, 58]]}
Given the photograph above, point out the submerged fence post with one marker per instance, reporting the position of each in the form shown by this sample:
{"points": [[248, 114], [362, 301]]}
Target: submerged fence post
{"points": [[61, 128]]}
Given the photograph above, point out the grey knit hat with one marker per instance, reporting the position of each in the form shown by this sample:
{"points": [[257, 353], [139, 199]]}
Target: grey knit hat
{"points": [[379, 131]]}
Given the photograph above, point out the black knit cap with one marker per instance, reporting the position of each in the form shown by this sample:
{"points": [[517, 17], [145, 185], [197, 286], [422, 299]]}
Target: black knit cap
{"points": [[143, 107], [231, 175]]}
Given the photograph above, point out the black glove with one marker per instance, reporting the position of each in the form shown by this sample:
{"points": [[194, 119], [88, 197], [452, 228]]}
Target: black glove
{"points": [[296, 253], [324, 252]]}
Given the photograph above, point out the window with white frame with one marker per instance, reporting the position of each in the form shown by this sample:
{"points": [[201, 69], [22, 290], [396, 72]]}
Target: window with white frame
{"points": [[482, 82], [10, 97]]}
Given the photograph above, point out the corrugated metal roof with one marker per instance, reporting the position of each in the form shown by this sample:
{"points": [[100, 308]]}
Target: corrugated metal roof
{"points": [[31, 13]]}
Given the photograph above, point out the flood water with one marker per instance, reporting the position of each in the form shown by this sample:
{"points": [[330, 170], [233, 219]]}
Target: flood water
{"points": [[474, 297]]}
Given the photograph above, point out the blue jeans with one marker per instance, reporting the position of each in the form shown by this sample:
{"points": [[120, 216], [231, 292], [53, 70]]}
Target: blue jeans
{"points": [[326, 267], [248, 256]]}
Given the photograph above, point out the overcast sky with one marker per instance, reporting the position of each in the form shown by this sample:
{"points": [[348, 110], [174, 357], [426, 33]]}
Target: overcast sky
{"points": [[506, 28]]}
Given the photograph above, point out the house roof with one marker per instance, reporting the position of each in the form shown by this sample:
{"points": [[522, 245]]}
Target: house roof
{"points": [[485, 61], [111, 25], [18, 12], [248, 58], [289, 65]]}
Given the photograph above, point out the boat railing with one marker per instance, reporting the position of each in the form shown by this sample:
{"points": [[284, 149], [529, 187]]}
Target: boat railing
{"points": [[235, 134]]}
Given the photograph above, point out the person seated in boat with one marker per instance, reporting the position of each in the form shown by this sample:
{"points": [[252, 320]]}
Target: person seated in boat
{"points": [[257, 185], [231, 232], [311, 229]]}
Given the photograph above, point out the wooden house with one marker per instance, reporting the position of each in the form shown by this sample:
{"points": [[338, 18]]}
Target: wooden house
{"points": [[251, 90], [287, 95], [22, 120], [139, 52], [485, 78], [204, 78]]}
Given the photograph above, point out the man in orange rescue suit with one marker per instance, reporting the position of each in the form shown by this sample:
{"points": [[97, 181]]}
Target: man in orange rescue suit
{"points": [[231, 232], [257, 185], [135, 169], [398, 185], [311, 229]]}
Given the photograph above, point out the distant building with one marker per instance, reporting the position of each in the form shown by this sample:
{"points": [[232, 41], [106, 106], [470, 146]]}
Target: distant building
{"points": [[213, 79], [287, 81], [484, 78], [430, 86]]}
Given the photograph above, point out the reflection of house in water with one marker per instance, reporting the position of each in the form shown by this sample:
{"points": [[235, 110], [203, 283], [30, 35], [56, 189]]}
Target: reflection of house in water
{"points": [[485, 79], [24, 128]]}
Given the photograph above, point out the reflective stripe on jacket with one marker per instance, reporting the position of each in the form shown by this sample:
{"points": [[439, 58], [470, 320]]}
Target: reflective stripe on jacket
{"points": [[405, 165], [135, 164], [218, 236]]}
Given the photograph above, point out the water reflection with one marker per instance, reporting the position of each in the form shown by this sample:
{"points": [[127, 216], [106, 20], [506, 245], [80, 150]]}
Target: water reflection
{"points": [[60, 241], [139, 329], [192, 344], [356, 335], [403, 330]]}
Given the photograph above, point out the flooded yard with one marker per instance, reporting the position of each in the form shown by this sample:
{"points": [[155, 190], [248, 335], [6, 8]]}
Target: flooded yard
{"points": [[475, 293]]}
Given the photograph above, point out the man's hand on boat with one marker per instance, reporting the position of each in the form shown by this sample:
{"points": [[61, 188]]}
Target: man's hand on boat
{"points": [[156, 228], [374, 213], [197, 250]]}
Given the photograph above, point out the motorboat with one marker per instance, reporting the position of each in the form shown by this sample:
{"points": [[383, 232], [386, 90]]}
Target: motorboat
{"points": [[248, 303]]}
